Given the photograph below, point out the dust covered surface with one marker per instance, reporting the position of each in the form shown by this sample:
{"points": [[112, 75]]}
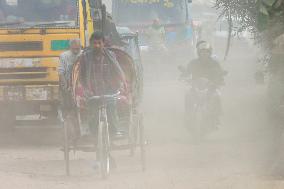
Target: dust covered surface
{"points": [[240, 155]]}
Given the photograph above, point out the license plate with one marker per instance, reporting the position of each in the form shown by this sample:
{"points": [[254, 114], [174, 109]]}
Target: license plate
{"points": [[14, 63], [14, 93], [36, 94]]}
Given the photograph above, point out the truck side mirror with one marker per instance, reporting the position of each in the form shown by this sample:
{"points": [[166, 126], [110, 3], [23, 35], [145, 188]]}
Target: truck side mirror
{"points": [[104, 17], [95, 4], [137, 37]]}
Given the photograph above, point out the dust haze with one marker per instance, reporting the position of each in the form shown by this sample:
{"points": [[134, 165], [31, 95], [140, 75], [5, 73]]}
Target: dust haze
{"points": [[243, 153]]}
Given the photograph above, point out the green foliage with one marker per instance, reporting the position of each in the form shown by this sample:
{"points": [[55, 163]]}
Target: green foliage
{"points": [[269, 3], [264, 18]]}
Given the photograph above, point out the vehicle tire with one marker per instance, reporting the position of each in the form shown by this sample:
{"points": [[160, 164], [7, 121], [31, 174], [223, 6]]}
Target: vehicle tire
{"points": [[189, 113], [142, 142], [66, 128], [197, 124], [8, 120], [132, 132], [103, 150]]}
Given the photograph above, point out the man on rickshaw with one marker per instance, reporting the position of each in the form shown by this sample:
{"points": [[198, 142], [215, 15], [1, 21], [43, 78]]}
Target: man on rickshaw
{"points": [[99, 74], [66, 63], [103, 82]]}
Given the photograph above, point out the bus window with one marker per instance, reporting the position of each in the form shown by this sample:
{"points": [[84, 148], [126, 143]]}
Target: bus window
{"points": [[168, 12]]}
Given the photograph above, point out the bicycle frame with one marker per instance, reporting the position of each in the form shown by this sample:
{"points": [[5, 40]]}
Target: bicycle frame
{"points": [[104, 119]]}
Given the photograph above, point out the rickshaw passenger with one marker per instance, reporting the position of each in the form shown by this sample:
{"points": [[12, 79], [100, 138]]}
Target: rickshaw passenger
{"points": [[67, 60], [100, 74], [112, 37]]}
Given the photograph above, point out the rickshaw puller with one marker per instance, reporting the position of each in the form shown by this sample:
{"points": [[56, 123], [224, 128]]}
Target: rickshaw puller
{"points": [[101, 74]]}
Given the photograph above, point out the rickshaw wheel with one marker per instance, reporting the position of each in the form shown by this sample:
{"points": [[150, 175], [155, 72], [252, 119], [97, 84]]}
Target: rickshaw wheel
{"points": [[103, 151], [133, 125], [142, 142], [67, 137], [7, 119]]}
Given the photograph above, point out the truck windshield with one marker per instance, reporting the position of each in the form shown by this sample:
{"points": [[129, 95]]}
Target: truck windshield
{"points": [[131, 11], [27, 13]]}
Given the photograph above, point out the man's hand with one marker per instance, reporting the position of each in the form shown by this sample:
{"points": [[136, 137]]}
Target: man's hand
{"points": [[63, 83]]}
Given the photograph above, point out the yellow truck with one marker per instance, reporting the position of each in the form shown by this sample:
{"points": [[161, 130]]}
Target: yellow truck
{"points": [[33, 33]]}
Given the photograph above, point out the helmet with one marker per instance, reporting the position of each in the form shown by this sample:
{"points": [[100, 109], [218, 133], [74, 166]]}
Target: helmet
{"points": [[203, 45], [204, 49]]}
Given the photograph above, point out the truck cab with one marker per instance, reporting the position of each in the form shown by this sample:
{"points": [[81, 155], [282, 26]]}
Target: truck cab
{"points": [[33, 34]]}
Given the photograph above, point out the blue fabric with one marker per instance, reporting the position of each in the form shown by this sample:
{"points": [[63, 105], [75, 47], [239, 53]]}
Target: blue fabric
{"points": [[171, 37], [181, 34]]}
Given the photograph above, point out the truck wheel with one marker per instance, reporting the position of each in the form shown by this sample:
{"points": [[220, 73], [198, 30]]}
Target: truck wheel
{"points": [[7, 120]]}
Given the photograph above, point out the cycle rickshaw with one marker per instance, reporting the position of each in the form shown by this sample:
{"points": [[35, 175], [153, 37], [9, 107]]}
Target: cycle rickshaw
{"points": [[130, 115]]}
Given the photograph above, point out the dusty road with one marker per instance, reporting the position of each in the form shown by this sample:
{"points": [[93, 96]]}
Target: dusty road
{"points": [[234, 157]]}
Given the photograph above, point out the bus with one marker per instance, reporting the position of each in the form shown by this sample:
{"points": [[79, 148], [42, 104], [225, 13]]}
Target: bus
{"points": [[33, 33], [139, 15]]}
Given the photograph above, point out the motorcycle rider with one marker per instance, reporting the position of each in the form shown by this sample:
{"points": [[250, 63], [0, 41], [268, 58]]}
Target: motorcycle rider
{"points": [[205, 66]]}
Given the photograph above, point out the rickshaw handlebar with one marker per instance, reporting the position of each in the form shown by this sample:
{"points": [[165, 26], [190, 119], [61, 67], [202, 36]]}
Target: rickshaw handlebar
{"points": [[106, 97]]}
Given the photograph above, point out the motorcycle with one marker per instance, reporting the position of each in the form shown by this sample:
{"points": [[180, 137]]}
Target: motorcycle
{"points": [[202, 107], [154, 53]]}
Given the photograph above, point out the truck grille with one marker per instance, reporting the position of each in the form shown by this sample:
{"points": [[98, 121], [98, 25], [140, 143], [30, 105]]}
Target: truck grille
{"points": [[21, 46], [23, 73]]}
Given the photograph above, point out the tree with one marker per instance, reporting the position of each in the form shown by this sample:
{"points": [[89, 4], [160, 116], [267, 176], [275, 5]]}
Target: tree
{"points": [[263, 18]]}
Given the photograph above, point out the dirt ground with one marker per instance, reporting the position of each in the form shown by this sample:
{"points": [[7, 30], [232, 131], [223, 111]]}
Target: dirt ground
{"points": [[237, 156]]}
